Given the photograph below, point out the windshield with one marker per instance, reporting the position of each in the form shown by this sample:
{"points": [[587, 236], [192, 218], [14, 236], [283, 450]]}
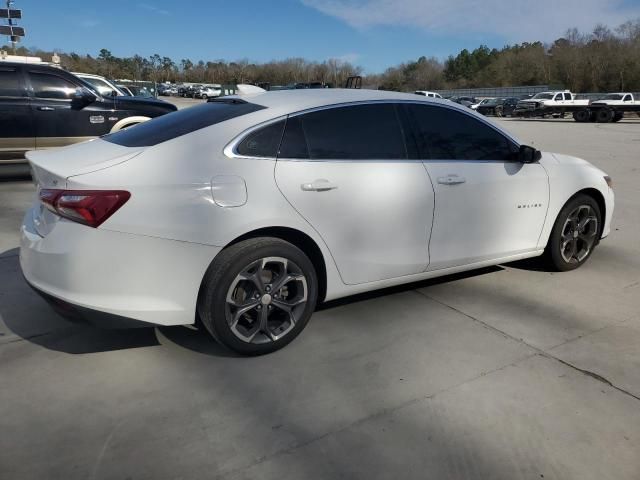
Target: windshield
{"points": [[103, 87], [543, 96], [612, 96]]}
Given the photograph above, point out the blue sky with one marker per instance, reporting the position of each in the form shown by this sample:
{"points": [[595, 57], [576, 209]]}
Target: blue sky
{"points": [[374, 34]]}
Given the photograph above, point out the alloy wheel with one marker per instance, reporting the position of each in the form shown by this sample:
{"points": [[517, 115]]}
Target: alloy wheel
{"points": [[579, 234], [266, 300]]}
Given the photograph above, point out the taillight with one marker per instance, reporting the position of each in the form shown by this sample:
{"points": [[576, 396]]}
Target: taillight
{"points": [[89, 207]]}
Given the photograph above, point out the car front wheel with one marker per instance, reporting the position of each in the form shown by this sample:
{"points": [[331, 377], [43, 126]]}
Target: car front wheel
{"points": [[258, 295], [575, 233]]}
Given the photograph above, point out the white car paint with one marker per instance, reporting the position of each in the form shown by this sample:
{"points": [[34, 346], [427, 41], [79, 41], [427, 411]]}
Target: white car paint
{"points": [[385, 224]]}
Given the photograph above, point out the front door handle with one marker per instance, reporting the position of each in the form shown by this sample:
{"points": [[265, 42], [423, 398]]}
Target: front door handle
{"points": [[46, 109], [320, 185], [451, 179]]}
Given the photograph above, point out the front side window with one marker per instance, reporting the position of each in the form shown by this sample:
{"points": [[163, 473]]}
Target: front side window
{"points": [[50, 86], [558, 97], [355, 132], [445, 134], [11, 83], [263, 142], [627, 98]]}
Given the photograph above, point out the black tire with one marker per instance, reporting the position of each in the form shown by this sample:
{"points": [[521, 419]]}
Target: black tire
{"points": [[563, 228], [221, 279], [604, 115], [617, 116], [582, 116]]}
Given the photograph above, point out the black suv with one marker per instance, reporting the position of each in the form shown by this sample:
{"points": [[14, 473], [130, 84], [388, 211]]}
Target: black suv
{"points": [[42, 106]]}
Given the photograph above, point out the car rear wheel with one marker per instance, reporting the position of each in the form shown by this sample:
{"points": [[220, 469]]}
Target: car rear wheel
{"points": [[258, 295], [575, 233]]}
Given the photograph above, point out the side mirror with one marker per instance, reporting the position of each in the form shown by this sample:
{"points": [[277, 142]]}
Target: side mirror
{"points": [[529, 154], [84, 96]]}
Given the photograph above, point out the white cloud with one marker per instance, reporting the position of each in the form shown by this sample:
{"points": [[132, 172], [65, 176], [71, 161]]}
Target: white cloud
{"points": [[154, 9], [516, 20], [347, 58]]}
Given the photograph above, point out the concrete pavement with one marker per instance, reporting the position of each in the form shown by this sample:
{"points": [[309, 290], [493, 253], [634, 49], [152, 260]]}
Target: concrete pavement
{"points": [[506, 373]]}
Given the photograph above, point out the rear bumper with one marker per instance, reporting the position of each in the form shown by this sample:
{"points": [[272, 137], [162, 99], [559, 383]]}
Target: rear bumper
{"points": [[78, 314], [112, 277]]}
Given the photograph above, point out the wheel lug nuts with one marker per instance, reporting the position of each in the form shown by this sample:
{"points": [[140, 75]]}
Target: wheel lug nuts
{"points": [[268, 288]]}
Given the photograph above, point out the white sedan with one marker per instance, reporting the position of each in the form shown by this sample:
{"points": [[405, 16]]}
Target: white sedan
{"points": [[246, 212]]}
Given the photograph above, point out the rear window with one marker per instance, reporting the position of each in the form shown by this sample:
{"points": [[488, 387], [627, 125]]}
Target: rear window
{"points": [[176, 124]]}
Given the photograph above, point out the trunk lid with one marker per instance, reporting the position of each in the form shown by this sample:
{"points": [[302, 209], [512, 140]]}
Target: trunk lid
{"points": [[52, 168]]}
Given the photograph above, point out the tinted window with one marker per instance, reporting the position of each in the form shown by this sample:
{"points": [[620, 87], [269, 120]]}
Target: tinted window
{"points": [[567, 96], [11, 84], [263, 142], [294, 144], [51, 86], [180, 123], [357, 132], [445, 134]]}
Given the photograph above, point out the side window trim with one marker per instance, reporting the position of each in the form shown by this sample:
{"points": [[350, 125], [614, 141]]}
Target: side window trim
{"points": [[231, 152]]}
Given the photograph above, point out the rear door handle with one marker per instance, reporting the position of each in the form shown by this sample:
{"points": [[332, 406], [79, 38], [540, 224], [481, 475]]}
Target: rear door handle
{"points": [[46, 109], [320, 185], [451, 179]]}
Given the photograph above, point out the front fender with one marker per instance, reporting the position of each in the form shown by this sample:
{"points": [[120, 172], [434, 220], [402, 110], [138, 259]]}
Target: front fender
{"points": [[565, 181]]}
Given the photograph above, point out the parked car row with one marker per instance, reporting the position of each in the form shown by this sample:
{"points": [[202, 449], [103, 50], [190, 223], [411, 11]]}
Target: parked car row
{"points": [[190, 91], [499, 107]]}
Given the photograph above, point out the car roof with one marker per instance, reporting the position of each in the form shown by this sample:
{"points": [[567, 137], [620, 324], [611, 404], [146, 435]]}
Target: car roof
{"points": [[282, 102]]}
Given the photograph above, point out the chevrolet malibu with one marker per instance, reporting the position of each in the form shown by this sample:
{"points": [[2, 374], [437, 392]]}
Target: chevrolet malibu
{"points": [[246, 212]]}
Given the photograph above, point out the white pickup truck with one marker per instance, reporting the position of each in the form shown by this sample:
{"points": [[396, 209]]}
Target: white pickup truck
{"points": [[610, 108], [549, 103], [617, 100]]}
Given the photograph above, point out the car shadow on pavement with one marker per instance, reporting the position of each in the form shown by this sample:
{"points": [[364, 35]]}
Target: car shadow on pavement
{"points": [[28, 317], [407, 287]]}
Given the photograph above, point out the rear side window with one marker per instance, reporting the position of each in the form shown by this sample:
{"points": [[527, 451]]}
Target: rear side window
{"points": [[445, 134], [11, 83], [358, 132], [263, 142], [180, 123], [50, 86]]}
